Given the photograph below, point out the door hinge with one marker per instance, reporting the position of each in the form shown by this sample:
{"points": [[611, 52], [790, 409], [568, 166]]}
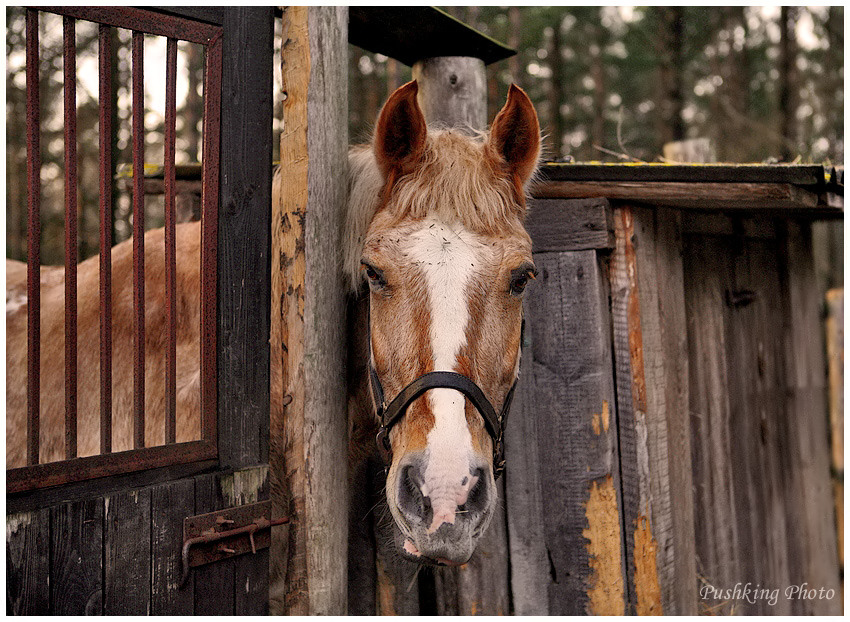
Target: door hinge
{"points": [[212, 537]]}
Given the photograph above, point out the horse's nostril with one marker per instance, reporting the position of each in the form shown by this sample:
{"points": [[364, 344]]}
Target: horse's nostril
{"points": [[410, 499]]}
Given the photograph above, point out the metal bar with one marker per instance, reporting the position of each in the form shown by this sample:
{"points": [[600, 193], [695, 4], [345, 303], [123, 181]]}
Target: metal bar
{"points": [[250, 530], [39, 476], [142, 20], [105, 131], [70, 78], [33, 239], [138, 240], [209, 237], [170, 244]]}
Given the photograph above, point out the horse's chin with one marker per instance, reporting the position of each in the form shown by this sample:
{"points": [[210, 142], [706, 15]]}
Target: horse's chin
{"points": [[408, 550]]}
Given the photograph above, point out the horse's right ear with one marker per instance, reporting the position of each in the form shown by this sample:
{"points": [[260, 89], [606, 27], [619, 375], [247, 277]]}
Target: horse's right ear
{"points": [[400, 134]]}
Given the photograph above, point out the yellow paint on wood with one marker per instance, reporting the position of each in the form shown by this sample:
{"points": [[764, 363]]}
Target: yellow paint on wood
{"points": [[647, 589], [601, 421], [605, 584]]}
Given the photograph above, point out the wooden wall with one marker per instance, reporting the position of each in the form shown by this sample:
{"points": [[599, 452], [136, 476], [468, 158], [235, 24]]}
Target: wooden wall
{"points": [[763, 507], [669, 432]]}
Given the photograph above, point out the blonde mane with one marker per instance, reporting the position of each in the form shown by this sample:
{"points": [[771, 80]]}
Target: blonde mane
{"points": [[455, 181]]}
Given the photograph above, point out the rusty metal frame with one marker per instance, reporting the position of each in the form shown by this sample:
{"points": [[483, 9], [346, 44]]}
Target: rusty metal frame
{"points": [[34, 475]]}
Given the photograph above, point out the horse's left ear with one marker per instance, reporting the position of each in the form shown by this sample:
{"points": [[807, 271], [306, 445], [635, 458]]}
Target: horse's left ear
{"points": [[515, 135]]}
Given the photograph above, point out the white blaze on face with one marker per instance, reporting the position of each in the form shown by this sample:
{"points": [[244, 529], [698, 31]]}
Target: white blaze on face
{"points": [[448, 256]]}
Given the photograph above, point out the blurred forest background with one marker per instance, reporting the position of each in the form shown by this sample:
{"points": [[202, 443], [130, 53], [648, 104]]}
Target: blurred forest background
{"points": [[763, 84], [615, 83]]}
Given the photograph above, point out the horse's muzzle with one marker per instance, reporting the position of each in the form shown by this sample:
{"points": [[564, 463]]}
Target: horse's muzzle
{"points": [[444, 519]]}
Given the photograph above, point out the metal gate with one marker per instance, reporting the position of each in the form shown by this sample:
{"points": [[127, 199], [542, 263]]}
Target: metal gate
{"points": [[126, 532]]}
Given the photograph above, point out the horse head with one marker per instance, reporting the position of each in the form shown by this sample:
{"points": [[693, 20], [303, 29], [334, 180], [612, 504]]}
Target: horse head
{"points": [[446, 256]]}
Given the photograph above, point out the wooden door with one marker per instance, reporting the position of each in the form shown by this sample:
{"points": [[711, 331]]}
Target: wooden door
{"points": [[112, 545]]}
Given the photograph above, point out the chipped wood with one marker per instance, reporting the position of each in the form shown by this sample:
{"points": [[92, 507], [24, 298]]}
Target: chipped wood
{"points": [[605, 582]]}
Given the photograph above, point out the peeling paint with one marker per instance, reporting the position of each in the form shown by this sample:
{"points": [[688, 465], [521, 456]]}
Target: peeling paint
{"points": [[646, 570], [15, 522], [605, 583], [243, 487], [601, 421]]}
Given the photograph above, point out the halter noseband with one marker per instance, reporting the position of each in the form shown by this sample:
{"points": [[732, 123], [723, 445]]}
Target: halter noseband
{"points": [[391, 413]]}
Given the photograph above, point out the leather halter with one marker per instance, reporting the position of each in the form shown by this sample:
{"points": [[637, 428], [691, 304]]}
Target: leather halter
{"points": [[391, 413]]}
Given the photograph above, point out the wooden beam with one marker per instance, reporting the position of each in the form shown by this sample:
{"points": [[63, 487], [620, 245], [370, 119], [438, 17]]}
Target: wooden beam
{"points": [[309, 431], [688, 195], [569, 225]]}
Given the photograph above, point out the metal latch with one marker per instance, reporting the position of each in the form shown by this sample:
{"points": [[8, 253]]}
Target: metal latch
{"points": [[212, 537]]}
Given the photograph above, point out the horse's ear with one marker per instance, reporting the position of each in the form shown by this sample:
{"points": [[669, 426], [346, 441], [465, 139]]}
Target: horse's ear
{"points": [[400, 134], [515, 135]]}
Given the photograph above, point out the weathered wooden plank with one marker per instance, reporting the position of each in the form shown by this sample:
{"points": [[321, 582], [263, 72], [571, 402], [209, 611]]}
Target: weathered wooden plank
{"points": [[530, 575], [835, 365], [809, 503], [713, 223], [576, 431], [743, 196], [250, 572], [244, 244], [310, 442], [28, 563], [757, 414], [214, 583], [127, 544], [569, 225], [170, 504], [663, 557], [707, 271], [641, 572], [804, 175], [76, 558]]}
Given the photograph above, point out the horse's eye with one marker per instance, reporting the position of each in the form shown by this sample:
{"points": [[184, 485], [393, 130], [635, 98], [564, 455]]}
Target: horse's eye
{"points": [[519, 279], [375, 275], [518, 285]]}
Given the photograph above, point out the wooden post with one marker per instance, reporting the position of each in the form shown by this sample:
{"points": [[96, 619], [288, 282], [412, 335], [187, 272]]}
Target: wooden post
{"points": [[452, 91], [309, 432]]}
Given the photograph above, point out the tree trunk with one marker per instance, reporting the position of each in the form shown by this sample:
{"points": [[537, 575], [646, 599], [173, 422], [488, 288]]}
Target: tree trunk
{"points": [[669, 49], [787, 80], [556, 90]]}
